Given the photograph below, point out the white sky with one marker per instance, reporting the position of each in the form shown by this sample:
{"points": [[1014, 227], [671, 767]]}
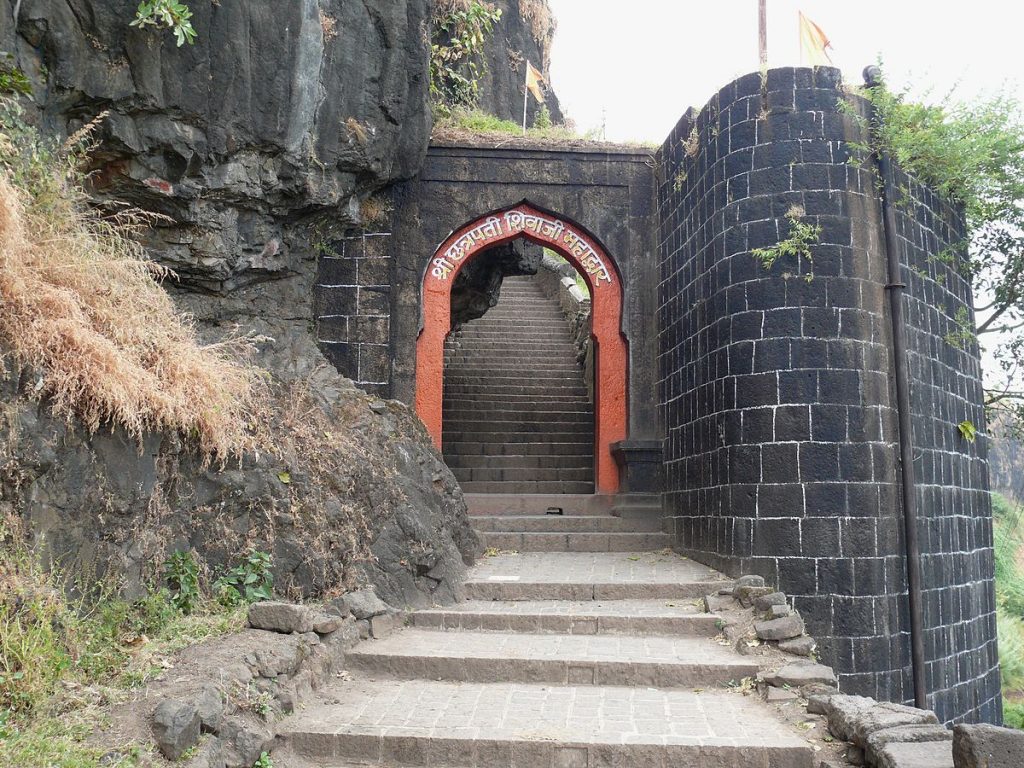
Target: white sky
{"points": [[645, 61]]}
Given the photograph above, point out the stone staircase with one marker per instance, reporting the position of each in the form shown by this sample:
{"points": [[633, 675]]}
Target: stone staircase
{"points": [[555, 659], [517, 416]]}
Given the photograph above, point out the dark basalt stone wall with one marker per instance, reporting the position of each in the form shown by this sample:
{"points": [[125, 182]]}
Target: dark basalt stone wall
{"points": [[608, 190], [782, 441], [952, 476]]}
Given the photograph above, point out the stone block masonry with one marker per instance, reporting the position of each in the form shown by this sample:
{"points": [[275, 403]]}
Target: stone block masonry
{"points": [[782, 441], [353, 309]]}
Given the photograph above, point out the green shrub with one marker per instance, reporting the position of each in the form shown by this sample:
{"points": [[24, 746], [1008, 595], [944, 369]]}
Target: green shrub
{"points": [[182, 574], [248, 582]]}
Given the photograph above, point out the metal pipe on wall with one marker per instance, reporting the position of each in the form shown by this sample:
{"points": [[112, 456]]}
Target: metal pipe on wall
{"points": [[895, 289]]}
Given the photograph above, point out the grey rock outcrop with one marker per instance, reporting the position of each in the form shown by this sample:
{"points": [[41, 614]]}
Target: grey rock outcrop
{"points": [[258, 142]]}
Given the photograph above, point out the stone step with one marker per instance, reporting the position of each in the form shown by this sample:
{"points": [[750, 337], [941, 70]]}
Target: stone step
{"points": [[592, 617], [505, 378], [503, 365], [526, 486], [492, 657], [463, 391], [591, 576], [495, 437], [478, 725], [550, 472], [538, 504], [513, 461], [467, 448], [552, 424], [562, 524], [504, 406], [538, 541]]}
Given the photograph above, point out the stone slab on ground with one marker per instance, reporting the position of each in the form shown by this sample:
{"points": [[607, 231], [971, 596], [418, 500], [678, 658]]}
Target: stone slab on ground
{"points": [[936, 754], [468, 724], [802, 673], [780, 629], [280, 617], [987, 746], [905, 734]]}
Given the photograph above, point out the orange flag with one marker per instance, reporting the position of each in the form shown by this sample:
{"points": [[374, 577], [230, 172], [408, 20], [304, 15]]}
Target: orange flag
{"points": [[813, 43], [533, 81]]}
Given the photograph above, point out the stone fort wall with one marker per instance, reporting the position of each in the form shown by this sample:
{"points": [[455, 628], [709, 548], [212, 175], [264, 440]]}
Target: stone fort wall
{"points": [[782, 440]]}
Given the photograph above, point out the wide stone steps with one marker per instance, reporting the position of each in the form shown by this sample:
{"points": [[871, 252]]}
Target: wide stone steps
{"points": [[493, 657], [527, 486], [580, 576], [477, 725], [552, 471], [466, 450], [623, 617], [563, 524], [583, 682], [493, 436], [534, 541], [515, 461]]}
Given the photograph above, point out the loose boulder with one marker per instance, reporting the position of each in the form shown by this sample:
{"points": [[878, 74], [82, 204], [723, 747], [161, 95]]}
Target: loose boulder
{"points": [[176, 727], [280, 617], [987, 746], [364, 604], [780, 629]]}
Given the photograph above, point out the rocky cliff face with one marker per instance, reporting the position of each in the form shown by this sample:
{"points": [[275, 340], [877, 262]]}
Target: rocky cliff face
{"points": [[524, 34], [259, 144]]}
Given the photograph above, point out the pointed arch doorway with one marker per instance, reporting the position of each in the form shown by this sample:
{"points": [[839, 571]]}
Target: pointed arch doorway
{"points": [[590, 259]]}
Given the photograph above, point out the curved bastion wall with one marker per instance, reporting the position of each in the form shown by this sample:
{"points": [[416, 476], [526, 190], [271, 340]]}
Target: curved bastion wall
{"points": [[776, 389]]}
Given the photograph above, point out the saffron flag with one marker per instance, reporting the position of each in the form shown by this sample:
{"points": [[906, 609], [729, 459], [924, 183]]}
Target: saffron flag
{"points": [[813, 43], [533, 81]]}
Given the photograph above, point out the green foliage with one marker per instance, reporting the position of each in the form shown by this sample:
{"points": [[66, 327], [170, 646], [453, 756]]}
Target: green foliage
{"points": [[12, 79], [457, 53], [182, 575], [968, 431], [542, 120], [263, 761], [248, 582], [973, 155], [1013, 714], [168, 14], [52, 645], [1008, 547], [801, 237], [964, 335]]}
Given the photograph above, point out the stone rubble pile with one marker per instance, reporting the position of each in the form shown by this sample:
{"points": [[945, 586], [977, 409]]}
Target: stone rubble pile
{"points": [[878, 734]]}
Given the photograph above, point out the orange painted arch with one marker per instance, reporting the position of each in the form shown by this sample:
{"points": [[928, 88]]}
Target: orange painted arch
{"points": [[587, 255]]}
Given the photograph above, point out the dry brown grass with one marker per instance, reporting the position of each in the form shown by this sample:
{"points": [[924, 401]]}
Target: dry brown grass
{"points": [[542, 23], [83, 309]]}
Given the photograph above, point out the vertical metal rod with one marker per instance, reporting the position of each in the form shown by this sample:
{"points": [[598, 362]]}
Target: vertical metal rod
{"points": [[872, 77], [762, 32]]}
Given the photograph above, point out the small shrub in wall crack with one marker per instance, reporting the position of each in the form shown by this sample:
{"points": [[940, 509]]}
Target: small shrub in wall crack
{"points": [[801, 237], [169, 14], [263, 761]]}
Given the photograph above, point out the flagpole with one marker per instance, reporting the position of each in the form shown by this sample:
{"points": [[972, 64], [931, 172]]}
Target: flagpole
{"points": [[762, 32], [526, 96]]}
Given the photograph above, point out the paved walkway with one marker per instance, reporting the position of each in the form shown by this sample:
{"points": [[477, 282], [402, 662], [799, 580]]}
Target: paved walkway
{"points": [[557, 660]]}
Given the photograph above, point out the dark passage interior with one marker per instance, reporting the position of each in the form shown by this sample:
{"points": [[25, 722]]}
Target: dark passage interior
{"points": [[517, 414]]}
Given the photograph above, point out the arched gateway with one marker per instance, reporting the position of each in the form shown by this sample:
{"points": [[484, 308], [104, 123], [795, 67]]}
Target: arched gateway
{"points": [[591, 260]]}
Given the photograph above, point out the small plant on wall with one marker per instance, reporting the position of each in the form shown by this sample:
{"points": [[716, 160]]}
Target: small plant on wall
{"points": [[802, 236], [461, 29]]}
